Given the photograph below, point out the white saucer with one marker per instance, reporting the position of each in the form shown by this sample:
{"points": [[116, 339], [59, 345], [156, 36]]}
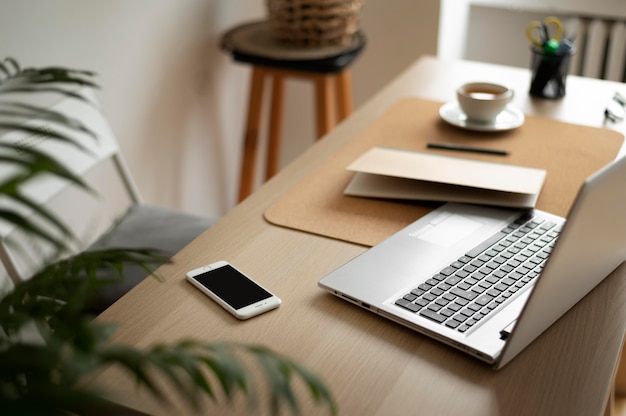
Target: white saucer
{"points": [[508, 119]]}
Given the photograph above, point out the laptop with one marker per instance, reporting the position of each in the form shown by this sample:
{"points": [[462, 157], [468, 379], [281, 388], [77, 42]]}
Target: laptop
{"points": [[490, 280]]}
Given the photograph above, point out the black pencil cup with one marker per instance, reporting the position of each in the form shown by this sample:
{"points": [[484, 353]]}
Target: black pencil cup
{"points": [[549, 73]]}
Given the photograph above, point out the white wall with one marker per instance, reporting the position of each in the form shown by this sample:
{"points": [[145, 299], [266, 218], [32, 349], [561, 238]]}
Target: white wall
{"points": [[175, 101]]}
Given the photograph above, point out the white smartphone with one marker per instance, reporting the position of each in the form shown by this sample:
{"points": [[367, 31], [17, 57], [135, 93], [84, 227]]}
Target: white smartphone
{"points": [[233, 290]]}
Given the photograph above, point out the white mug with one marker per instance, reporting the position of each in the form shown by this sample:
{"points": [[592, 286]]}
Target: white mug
{"points": [[483, 101]]}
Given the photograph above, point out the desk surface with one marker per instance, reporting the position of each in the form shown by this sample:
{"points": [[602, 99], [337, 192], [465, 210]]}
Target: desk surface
{"points": [[371, 365]]}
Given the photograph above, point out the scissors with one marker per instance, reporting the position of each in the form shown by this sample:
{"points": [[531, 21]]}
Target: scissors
{"points": [[543, 39]]}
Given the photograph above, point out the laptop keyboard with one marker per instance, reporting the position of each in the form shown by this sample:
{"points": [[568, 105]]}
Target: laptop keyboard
{"points": [[470, 288]]}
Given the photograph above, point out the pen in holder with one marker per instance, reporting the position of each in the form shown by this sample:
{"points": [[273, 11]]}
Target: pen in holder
{"points": [[549, 70]]}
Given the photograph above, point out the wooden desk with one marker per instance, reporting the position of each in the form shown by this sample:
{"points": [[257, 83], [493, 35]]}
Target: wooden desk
{"points": [[374, 366]]}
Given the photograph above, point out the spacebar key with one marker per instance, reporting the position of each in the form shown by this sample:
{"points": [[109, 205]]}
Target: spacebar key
{"points": [[432, 315]]}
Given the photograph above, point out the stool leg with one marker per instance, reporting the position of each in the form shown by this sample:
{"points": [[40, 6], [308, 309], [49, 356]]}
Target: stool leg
{"points": [[324, 100], [344, 94], [276, 123], [252, 133]]}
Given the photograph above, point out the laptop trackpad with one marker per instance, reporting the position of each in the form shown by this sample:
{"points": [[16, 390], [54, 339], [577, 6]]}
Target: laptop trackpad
{"points": [[449, 231]]}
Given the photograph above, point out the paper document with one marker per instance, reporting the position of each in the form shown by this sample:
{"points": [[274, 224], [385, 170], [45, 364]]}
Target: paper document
{"points": [[402, 174]]}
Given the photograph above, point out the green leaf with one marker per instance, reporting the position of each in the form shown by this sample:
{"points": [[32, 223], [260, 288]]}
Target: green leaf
{"points": [[317, 388], [44, 132], [226, 367], [134, 362], [28, 112]]}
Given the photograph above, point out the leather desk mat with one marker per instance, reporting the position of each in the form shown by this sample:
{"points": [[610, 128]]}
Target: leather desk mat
{"points": [[569, 153]]}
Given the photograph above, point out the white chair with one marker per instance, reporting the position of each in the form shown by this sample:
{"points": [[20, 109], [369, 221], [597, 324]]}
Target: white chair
{"points": [[115, 217]]}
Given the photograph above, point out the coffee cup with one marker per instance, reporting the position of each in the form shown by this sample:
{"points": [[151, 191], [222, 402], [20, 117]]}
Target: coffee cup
{"points": [[483, 101]]}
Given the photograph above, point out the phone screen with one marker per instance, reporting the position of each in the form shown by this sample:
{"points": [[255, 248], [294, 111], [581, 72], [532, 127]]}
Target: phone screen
{"points": [[232, 286]]}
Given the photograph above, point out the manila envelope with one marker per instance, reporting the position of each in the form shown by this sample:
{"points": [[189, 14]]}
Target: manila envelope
{"points": [[401, 174]]}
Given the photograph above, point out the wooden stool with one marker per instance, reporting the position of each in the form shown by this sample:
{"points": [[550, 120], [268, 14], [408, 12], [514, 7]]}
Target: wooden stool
{"points": [[327, 67]]}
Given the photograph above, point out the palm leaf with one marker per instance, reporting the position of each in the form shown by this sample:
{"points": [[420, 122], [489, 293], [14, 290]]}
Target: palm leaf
{"points": [[27, 112]]}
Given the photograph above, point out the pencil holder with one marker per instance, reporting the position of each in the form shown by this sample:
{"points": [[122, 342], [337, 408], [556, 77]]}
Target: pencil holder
{"points": [[549, 72]]}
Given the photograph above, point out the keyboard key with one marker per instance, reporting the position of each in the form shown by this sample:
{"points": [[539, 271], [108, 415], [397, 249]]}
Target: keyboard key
{"points": [[442, 302], [453, 280], [429, 297], [417, 292], [472, 280], [477, 263], [433, 315], [463, 294], [470, 269], [474, 307], [462, 273], [452, 323], [437, 292], [454, 307], [464, 259], [460, 317], [434, 307], [478, 289], [485, 270], [449, 296], [448, 271], [407, 305], [485, 284], [514, 263], [499, 274], [457, 265], [447, 312], [483, 300], [492, 279], [501, 287], [506, 268], [493, 292]]}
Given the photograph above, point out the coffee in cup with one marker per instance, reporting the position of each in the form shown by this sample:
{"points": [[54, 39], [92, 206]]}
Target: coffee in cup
{"points": [[483, 101]]}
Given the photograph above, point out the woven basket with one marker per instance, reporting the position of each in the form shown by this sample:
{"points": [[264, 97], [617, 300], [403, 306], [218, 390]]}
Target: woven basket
{"points": [[314, 23]]}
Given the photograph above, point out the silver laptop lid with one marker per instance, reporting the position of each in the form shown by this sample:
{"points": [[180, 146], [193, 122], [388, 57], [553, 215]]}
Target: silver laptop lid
{"points": [[592, 244]]}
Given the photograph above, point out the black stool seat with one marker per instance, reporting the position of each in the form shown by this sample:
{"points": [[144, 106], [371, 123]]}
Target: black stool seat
{"points": [[254, 43]]}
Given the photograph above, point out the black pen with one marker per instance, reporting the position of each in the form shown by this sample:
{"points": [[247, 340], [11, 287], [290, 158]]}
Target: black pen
{"points": [[462, 148]]}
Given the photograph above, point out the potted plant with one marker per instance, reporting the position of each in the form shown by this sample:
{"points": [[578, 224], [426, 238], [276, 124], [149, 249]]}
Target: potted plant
{"points": [[46, 375]]}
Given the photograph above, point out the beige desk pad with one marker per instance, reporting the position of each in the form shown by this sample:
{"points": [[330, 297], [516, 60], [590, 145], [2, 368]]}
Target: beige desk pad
{"points": [[570, 153]]}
